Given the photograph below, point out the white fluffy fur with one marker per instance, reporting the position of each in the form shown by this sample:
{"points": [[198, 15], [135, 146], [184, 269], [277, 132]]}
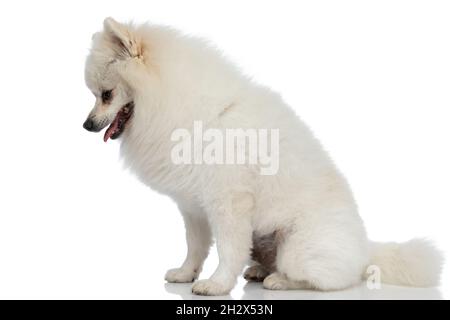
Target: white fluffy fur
{"points": [[174, 80], [413, 263]]}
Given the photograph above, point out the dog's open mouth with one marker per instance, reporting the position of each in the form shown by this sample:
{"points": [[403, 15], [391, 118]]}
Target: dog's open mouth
{"points": [[116, 127]]}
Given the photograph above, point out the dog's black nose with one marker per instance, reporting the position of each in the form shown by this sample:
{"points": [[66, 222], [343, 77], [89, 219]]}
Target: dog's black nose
{"points": [[88, 125]]}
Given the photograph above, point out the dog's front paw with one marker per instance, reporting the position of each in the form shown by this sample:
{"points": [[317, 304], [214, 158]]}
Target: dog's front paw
{"points": [[210, 288], [181, 275]]}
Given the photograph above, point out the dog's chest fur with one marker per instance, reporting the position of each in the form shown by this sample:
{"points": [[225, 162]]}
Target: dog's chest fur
{"points": [[148, 156]]}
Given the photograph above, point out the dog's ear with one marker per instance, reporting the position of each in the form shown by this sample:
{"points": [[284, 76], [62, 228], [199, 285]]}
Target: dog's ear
{"points": [[124, 40]]}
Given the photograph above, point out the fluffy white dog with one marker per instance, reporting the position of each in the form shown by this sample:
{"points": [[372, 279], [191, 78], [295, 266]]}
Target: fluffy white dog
{"points": [[299, 227]]}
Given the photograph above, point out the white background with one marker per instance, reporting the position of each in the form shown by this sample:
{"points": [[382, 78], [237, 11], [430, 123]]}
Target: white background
{"points": [[371, 78]]}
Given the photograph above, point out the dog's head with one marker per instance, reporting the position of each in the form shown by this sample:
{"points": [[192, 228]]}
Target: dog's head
{"points": [[111, 49]]}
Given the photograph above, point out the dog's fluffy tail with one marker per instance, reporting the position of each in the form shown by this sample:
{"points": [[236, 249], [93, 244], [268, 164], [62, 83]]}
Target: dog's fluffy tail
{"points": [[414, 263]]}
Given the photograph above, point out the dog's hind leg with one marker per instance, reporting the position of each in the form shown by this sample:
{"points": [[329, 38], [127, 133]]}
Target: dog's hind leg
{"points": [[330, 255]]}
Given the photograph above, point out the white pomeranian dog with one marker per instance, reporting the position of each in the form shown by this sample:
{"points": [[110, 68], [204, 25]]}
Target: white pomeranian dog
{"points": [[295, 225]]}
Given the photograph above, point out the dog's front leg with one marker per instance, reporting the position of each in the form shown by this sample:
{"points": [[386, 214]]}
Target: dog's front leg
{"points": [[233, 233], [198, 238]]}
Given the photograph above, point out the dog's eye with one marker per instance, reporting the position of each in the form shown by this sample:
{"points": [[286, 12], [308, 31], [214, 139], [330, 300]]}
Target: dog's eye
{"points": [[106, 96]]}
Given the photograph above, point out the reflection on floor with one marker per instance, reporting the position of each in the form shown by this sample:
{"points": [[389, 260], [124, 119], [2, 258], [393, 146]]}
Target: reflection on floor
{"points": [[257, 292]]}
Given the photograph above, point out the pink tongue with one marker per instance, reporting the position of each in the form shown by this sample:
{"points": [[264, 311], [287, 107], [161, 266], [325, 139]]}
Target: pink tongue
{"points": [[112, 128]]}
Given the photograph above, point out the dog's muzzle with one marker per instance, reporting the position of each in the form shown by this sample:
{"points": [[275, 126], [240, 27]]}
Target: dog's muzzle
{"points": [[116, 126], [90, 125]]}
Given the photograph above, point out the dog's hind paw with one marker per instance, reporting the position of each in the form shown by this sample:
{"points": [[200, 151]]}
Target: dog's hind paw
{"points": [[276, 281], [255, 273]]}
